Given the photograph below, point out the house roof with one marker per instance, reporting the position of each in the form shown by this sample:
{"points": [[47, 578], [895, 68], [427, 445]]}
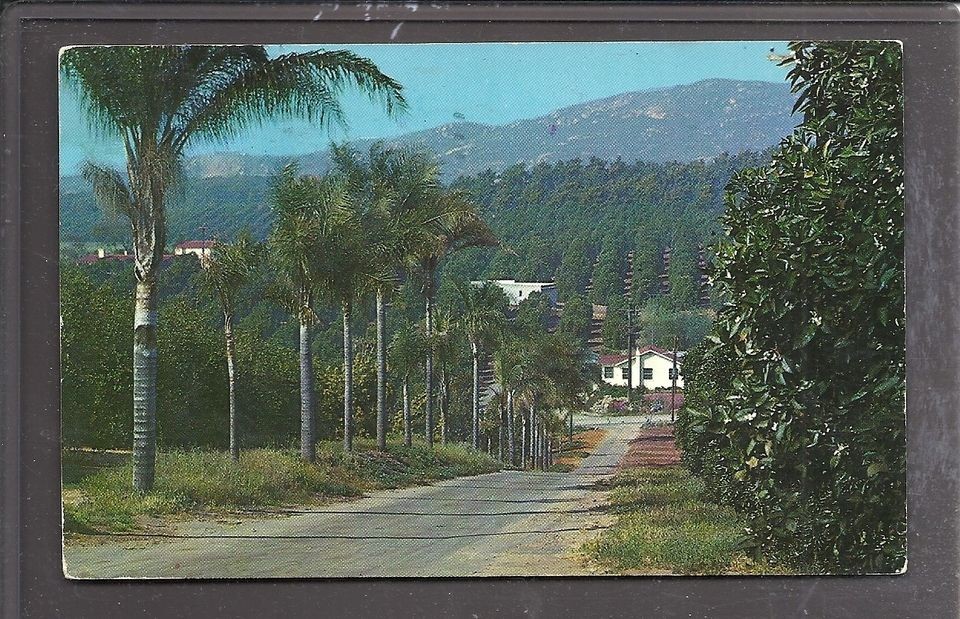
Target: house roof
{"points": [[609, 360], [663, 352], [612, 359], [196, 244], [95, 257]]}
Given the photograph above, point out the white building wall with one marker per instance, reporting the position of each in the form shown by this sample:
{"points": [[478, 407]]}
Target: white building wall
{"points": [[518, 292], [658, 371]]}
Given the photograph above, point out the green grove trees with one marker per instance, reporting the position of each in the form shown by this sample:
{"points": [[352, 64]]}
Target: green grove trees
{"points": [[795, 409], [158, 100]]}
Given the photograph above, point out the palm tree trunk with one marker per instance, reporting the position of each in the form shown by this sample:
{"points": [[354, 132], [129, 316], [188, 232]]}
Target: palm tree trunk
{"points": [[381, 371], [407, 430], [444, 406], [347, 380], [308, 423], [428, 405], [144, 384], [501, 432], [232, 381], [475, 426], [524, 438], [511, 443], [535, 445]]}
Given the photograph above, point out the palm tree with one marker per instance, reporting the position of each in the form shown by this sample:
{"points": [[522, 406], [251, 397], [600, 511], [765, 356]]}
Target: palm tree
{"points": [[481, 318], [446, 350], [396, 187], [358, 262], [511, 365], [159, 100], [406, 348], [311, 214], [462, 230], [225, 273]]}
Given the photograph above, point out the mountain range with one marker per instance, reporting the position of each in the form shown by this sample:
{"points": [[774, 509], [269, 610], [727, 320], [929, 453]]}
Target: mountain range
{"points": [[678, 123]]}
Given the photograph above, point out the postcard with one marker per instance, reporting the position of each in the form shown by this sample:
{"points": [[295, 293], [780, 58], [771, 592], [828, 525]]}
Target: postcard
{"points": [[482, 309]]}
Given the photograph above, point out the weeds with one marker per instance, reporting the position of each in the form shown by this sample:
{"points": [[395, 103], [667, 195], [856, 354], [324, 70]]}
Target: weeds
{"points": [[98, 496]]}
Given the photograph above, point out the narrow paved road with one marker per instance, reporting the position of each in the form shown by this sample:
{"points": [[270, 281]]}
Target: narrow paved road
{"points": [[499, 524]]}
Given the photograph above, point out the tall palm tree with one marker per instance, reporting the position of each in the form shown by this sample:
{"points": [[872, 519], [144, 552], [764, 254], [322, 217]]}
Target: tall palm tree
{"points": [[511, 365], [466, 229], [225, 273], [406, 349], [158, 100], [446, 350], [311, 215], [396, 187], [358, 271], [482, 317]]}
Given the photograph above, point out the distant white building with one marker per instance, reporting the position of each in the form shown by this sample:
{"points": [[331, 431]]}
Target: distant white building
{"points": [[518, 292], [655, 363], [201, 249]]}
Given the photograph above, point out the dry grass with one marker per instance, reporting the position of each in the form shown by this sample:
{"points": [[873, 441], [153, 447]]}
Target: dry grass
{"points": [[97, 493]]}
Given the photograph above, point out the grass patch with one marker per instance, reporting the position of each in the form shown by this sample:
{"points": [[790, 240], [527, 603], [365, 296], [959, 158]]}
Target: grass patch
{"points": [[98, 496], [664, 525]]}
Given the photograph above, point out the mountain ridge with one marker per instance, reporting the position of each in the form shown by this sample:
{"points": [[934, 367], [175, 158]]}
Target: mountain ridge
{"points": [[672, 123]]}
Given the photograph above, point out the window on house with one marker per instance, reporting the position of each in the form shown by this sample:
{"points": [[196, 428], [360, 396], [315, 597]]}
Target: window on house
{"points": [[625, 372], [647, 373], [608, 372]]}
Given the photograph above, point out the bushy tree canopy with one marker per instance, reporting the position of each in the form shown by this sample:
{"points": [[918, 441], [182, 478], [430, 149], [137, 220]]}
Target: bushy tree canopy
{"points": [[796, 403]]}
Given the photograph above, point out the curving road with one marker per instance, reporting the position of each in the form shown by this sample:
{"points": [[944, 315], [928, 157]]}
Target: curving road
{"points": [[498, 524]]}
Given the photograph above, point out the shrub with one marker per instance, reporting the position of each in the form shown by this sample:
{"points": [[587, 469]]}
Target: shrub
{"points": [[795, 405]]}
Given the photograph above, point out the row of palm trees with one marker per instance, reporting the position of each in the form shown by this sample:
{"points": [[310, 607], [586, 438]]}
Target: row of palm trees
{"points": [[538, 377], [159, 100], [374, 220], [357, 231]]}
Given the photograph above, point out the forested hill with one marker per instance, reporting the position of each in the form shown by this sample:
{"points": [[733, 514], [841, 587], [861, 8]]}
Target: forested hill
{"points": [[570, 220], [575, 221]]}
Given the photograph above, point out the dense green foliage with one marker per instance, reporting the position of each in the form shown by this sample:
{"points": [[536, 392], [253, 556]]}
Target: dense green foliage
{"points": [[795, 404], [598, 208]]}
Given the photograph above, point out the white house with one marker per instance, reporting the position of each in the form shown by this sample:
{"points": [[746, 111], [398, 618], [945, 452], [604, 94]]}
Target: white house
{"points": [[518, 292], [655, 363]]}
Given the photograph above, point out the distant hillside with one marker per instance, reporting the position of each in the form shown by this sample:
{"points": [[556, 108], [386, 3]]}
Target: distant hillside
{"points": [[682, 123]]}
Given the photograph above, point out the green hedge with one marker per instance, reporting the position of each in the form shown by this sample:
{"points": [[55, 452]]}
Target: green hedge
{"points": [[795, 403]]}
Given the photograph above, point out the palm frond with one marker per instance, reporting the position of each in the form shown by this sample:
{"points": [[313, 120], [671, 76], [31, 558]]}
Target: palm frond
{"points": [[250, 90], [109, 189]]}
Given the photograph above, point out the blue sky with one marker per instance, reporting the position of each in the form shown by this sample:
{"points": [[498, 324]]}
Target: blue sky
{"points": [[493, 83]]}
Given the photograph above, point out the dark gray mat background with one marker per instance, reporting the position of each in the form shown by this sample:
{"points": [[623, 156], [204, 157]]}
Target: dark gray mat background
{"points": [[33, 584]]}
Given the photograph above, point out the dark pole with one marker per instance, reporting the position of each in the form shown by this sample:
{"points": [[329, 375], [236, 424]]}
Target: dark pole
{"points": [[629, 352], [673, 388]]}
